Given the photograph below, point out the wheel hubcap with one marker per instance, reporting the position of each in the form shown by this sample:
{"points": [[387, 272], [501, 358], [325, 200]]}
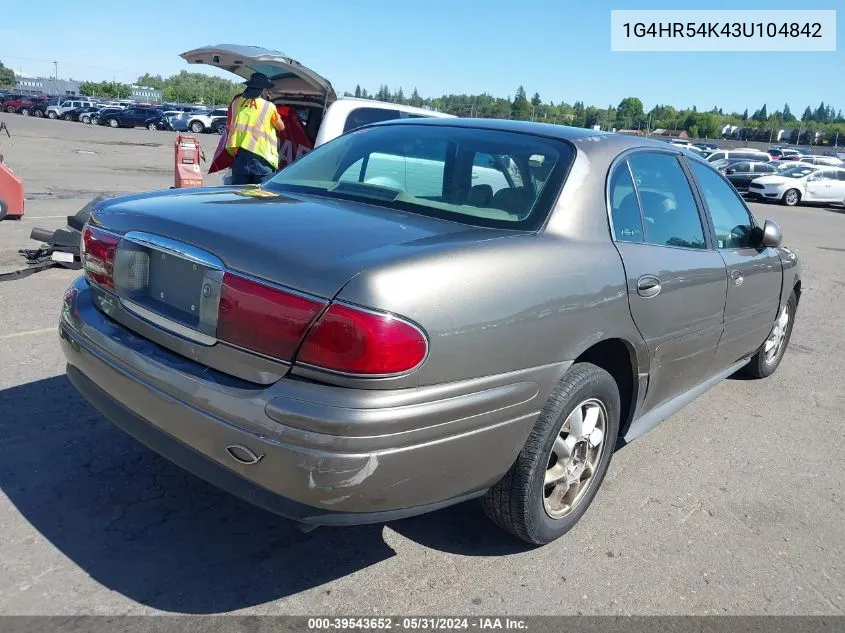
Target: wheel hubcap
{"points": [[574, 458], [791, 197], [774, 344]]}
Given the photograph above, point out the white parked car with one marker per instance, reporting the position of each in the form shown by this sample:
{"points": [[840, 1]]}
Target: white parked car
{"points": [[830, 161], [56, 111], [324, 115], [802, 183], [199, 122], [746, 153]]}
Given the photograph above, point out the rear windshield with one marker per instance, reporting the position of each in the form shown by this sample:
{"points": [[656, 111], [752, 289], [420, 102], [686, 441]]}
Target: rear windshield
{"points": [[479, 177]]}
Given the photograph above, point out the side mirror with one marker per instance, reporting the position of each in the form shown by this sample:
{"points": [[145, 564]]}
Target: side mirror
{"points": [[730, 170], [772, 237]]}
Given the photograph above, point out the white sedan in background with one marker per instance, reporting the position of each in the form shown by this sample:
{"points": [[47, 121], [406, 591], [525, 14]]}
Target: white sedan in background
{"points": [[801, 183]]}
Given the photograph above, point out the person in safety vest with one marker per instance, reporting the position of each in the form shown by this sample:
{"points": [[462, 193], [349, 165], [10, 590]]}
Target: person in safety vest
{"points": [[252, 135]]}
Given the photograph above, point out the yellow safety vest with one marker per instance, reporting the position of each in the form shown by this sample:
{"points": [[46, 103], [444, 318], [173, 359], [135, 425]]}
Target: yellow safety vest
{"points": [[251, 129]]}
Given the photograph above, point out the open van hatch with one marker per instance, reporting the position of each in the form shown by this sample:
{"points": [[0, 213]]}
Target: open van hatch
{"points": [[292, 81]]}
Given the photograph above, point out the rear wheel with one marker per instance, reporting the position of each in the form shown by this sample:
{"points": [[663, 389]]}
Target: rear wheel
{"points": [[52, 115], [560, 468], [197, 127], [38, 114], [114, 123], [791, 197], [25, 111], [10, 109], [767, 359], [152, 127]]}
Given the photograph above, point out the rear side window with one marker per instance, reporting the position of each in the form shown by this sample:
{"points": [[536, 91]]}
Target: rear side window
{"points": [[364, 116], [840, 175], [624, 207], [669, 210], [733, 223]]}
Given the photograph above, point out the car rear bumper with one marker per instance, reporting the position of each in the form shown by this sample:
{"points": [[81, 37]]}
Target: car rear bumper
{"points": [[326, 455]]}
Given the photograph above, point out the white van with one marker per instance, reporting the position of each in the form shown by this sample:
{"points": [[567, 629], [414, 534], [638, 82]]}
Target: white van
{"points": [[324, 115]]}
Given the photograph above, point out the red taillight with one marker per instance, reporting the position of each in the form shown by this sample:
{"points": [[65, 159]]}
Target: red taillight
{"points": [[98, 248], [262, 318], [354, 341]]}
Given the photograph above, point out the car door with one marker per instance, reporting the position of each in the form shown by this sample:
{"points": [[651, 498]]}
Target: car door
{"points": [[676, 281], [755, 274], [822, 186], [761, 169]]}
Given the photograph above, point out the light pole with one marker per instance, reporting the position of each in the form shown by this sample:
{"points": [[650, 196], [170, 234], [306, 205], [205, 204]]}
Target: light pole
{"points": [[56, 76]]}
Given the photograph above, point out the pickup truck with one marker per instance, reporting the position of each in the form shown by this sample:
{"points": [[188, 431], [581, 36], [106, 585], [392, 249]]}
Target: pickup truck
{"points": [[324, 115]]}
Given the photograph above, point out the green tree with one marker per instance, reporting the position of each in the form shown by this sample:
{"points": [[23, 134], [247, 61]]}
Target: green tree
{"points": [[820, 114], [151, 81], [787, 113], [400, 96], [536, 101], [808, 114], [357, 90], [416, 100], [7, 76], [520, 109], [629, 113], [760, 115], [745, 115]]}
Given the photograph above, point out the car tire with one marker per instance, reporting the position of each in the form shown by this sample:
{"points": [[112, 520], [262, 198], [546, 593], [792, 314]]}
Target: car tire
{"points": [[522, 502], [114, 123], [10, 109], [152, 127], [4, 209], [86, 119], [791, 197], [197, 127], [52, 115], [38, 114], [767, 359], [24, 111]]}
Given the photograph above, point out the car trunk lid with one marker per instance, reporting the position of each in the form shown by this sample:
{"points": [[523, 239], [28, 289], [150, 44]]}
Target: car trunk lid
{"points": [[292, 82]]}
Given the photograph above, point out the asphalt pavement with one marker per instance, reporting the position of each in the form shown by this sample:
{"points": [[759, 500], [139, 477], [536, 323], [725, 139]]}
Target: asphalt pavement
{"points": [[735, 505]]}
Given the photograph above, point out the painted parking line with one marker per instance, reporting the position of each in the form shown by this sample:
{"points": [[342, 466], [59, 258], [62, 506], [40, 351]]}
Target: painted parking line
{"points": [[28, 333], [43, 217]]}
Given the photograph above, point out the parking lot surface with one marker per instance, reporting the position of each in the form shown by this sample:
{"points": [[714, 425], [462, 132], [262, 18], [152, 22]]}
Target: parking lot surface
{"points": [[735, 505]]}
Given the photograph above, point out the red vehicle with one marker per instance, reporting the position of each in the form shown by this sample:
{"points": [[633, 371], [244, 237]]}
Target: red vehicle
{"points": [[22, 104]]}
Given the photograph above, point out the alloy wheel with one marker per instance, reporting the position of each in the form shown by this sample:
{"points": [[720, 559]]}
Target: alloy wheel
{"points": [[775, 342], [574, 458]]}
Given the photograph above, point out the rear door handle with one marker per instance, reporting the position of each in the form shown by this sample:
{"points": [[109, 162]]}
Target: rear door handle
{"points": [[648, 286], [737, 278]]}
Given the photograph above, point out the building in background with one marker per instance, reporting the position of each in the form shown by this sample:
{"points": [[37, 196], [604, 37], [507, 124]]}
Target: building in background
{"points": [[47, 86], [143, 93]]}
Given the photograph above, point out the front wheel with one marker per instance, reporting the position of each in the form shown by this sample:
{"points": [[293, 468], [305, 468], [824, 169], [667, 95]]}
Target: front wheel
{"points": [[10, 109], [560, 468], [38, 114], [767, 359], [67, 117], [52, 115], [152, 127], [791, 197], [197, 127], [114, 123], [86, 119], [25, 111]]}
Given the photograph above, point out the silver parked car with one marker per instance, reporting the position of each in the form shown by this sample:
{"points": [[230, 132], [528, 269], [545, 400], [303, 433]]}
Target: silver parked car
{"points": [[426, 311]]}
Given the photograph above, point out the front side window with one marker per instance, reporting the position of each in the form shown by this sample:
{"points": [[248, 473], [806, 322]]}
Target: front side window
{"points": [[668, 206], [480, 177], [733, 223]]}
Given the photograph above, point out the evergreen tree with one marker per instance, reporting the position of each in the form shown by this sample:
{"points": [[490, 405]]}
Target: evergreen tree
{"points": [[357, 90], [535, 100], [744, 116], [400, 96], [787, 113], [415, 98], [808, 114], [520, 109]]}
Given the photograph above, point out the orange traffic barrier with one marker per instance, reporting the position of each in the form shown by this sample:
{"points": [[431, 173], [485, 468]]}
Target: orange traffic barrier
{"points": [[187, 162], [11, 193]]}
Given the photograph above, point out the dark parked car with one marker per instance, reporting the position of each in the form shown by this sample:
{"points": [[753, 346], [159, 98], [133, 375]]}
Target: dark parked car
{"points": [[709, 147], [130, 117], [104, 112], [426, 311], [158, 123], [77, 114], [741, 173]]}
